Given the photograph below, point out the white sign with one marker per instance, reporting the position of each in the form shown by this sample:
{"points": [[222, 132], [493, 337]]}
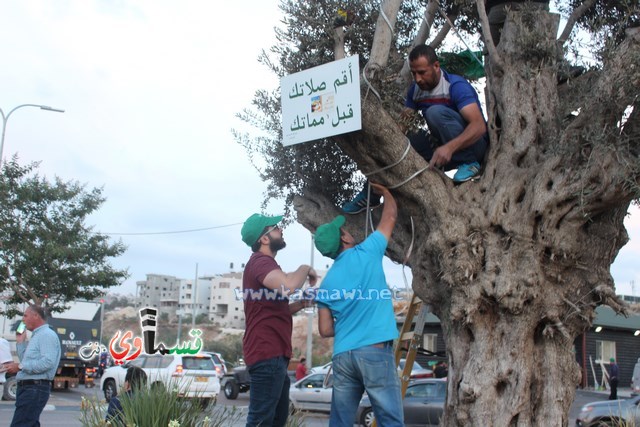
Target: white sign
{"points": [[321, 101]]}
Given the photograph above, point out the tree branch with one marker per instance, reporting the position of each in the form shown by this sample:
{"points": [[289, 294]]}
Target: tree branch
{"points": [[573, 18], [338, 43], [496, 60], [383, 35]]}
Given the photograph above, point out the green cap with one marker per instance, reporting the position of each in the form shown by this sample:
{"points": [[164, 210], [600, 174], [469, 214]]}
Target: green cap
{"points": [[612, 360], [255, 224], [327, 237]]}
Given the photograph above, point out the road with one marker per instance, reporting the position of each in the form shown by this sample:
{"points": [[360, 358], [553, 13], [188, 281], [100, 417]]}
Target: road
{"points": [[63, 408]]}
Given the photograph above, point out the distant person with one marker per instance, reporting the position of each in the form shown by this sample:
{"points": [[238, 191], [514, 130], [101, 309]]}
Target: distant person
{"points": [[613, 379], [441, 370], [301, 369], [497, 13], [267, 338], [355, 307], [39, 359], [134, 380]]}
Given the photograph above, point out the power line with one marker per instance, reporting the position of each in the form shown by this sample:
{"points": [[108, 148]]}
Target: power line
{"points": [[193, 230]]}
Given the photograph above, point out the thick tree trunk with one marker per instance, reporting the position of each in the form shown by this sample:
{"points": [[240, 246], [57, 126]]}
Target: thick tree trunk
{"points": [[515, 264]]}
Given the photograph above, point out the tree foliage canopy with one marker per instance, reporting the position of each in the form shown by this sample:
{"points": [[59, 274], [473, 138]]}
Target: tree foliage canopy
{"points": [[47, 252], [308, 40]]}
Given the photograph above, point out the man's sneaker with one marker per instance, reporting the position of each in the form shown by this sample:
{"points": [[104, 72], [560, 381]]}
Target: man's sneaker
{"points": [[466, 172], [359, 203]]}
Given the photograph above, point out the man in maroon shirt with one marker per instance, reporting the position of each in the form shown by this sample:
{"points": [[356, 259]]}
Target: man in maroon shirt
{"points": [[267, 338]]}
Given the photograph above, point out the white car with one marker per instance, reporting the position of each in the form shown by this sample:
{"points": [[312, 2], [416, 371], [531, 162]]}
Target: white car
{"points": [[193, 375], [320, 369], [312, 393], [218, 361]]}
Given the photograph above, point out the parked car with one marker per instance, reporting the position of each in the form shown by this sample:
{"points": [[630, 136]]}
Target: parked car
{"points": [[423, 404], [417, 371], [320, 369], [193, 375], [218, 361], [235, 382], [9, 387], [312, 393], [625, 412]]}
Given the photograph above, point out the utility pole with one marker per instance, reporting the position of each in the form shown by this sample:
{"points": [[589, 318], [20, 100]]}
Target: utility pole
{"points": [[195, 298], [310, 312]]}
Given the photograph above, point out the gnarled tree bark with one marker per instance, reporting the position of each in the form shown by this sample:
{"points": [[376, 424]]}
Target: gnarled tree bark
{"points": [[514, 264]]}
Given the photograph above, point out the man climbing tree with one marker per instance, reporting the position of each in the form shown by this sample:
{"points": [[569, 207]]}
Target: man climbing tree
{"points": [[515, 263]]}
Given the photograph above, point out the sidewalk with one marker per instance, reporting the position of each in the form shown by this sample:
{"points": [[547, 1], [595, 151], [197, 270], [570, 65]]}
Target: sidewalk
{"points": [[623, 392]]}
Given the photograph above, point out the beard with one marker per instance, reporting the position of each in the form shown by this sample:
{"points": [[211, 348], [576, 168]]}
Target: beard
{"points": [[276, 244]]}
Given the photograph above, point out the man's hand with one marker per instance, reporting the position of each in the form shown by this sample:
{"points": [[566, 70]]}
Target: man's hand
{"points": [[21, 337], [11, 368], [441, 156], [313, 276]]}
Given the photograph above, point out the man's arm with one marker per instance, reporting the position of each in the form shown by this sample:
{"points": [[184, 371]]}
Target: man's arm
{"points": [[476, 127], [286, 283], [325, 323], [389, 211]]}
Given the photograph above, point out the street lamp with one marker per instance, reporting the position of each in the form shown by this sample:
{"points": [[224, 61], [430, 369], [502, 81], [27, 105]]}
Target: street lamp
{"points": [[6, 118]]}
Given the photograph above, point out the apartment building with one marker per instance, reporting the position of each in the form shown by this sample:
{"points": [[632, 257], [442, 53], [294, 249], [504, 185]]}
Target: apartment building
{"points": [[226, 305], [159, 291]]}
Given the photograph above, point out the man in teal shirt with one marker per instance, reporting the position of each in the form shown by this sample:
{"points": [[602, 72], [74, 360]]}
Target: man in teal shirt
{"points": [[355, 307], [39, 359]]}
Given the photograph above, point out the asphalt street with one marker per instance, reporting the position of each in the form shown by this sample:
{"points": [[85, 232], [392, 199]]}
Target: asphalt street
{"points": [[63, 408]]}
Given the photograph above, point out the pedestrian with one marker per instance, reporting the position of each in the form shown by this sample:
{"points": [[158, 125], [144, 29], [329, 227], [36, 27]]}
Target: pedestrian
{"points": [[613, 379], [134, 380], [457, 137], [267, 338], [441, 370], [301, 369], [355, 307], [39, 359]]}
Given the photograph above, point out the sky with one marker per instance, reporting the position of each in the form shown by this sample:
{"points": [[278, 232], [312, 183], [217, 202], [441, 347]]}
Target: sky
{"points": [[150, 90]]}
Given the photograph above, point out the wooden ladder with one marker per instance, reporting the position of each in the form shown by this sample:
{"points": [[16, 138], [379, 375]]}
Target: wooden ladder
{"points": [[408, 341]]}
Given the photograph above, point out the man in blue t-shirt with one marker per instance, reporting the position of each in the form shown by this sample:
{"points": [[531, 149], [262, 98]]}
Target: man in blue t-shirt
{"points": [[457, 136], [355, 307]]}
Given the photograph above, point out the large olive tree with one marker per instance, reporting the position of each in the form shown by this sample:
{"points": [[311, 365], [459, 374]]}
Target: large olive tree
{"points": [[515, 263]]}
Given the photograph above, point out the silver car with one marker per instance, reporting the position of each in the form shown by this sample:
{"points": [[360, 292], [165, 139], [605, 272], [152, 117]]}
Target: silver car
{"points": [[311, 393], [423, 404], [610, 413]]}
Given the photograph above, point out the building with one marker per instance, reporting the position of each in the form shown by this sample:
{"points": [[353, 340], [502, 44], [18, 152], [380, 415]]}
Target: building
{"points": [[194, 299], [159, 291], [226, 305]]}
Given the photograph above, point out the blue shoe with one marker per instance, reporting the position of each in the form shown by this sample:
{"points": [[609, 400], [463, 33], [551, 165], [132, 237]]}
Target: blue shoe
{"points": [[466, 172], [359, 203]]}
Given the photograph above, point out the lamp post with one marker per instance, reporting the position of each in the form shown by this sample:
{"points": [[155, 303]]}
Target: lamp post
{"points": [[6, 118]]}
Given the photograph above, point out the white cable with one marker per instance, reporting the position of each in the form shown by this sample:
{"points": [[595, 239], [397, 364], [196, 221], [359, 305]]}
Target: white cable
{"points": [[455, 30], [406, 151]]}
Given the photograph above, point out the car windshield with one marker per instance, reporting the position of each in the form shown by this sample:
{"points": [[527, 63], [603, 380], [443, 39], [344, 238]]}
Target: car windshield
{"points": [[198, 363], [416, 365]]}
